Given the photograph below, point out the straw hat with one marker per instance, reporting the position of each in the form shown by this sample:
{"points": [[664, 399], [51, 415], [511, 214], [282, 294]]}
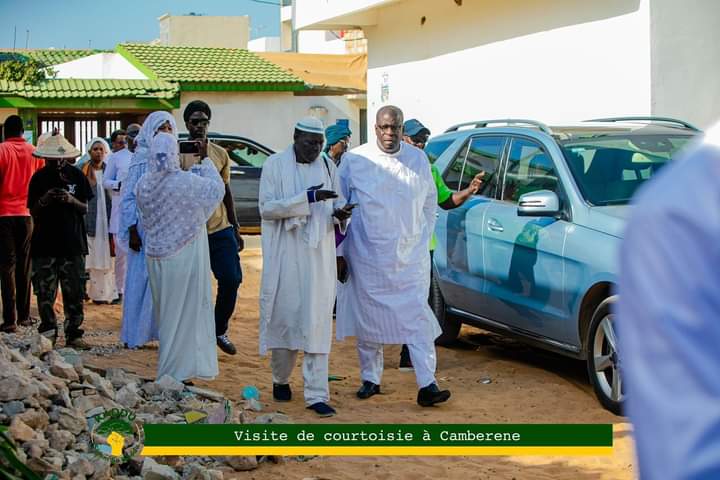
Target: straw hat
{"points": [[56, 146]]}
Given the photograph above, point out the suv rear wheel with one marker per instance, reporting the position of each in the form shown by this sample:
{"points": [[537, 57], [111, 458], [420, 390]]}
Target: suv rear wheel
{"points": [[450, 325], [603, 363]]}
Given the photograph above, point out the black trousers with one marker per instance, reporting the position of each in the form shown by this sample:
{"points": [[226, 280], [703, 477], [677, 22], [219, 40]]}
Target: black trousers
{"points": [[15, 234]]}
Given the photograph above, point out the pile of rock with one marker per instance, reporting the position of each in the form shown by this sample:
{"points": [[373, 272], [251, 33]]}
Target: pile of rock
{"points": [[49, 399]]}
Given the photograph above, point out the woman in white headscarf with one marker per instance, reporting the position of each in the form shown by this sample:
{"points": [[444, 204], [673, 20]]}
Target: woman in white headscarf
{"points": [[139, 325], [174, 206], [99, 262]]}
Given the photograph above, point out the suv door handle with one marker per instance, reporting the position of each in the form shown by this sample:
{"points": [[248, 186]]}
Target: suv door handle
{"points": [[237, 172], [494, 226]]}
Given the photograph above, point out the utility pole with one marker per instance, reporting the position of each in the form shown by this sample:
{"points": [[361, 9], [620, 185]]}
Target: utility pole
{"points": [[14, 37], [27, 39]]}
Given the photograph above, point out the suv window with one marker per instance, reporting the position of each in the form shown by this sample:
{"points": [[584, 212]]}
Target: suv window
{"points": [[435, 148], [484, 156], [479, 154], [529, 169], [243, 154]]}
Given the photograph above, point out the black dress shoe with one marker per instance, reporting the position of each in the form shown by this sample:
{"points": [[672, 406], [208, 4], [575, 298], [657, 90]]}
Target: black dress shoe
{"points": [[282, 392], [322, 409], [367, 390], [430, 395], [226, 345]]}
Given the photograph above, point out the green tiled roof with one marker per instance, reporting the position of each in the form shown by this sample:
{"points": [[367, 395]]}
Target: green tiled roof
{"points": [[66, 88], [199, 65], [51, 56]]}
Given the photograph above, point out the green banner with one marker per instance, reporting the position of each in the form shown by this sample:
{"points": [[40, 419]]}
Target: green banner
{"points": [[380, 435]]}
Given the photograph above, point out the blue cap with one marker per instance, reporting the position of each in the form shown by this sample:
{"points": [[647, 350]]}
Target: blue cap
{"points": [[413, 127]]}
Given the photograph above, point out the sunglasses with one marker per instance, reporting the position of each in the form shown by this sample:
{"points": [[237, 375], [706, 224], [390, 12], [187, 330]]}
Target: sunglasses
{"points": [[196, 122], [133, 134]]}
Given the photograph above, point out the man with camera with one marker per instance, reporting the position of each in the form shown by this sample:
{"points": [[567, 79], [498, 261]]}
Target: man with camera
{"points": [[223, 230]]}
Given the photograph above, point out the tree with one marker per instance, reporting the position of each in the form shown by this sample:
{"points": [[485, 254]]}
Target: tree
{"points": [[18, 68]]}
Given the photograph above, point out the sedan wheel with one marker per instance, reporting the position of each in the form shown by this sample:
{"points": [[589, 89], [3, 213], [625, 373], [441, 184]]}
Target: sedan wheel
{"points": [[603, 361]]}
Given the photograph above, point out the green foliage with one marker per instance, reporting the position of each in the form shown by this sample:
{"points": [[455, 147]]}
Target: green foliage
{"points": [[11, 468], [116, 425], [23, 69]]}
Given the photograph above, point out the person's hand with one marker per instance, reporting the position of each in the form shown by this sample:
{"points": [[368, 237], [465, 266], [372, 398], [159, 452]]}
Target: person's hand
{"points": [[135, 242], [345, 212], [238, 237], [476, 182], [47, 199], [60, 196], [203, 147], [318, 195]]}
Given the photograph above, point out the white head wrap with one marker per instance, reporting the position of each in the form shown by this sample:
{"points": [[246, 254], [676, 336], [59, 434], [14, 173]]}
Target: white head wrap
{"points": [[174, 204], [149, 128]]}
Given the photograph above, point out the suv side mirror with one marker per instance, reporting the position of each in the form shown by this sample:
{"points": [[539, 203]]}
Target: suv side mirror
{"points": [[541, 203]]}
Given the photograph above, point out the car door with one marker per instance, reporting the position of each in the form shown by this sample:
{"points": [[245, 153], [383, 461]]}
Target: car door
{"points": [[246, 161], [459, 255], [524, 255]]}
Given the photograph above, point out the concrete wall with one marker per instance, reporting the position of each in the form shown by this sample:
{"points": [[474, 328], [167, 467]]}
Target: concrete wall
{"points": [[267, 117], [331, 13], [205, 31], [686, 60], [550, 60]]}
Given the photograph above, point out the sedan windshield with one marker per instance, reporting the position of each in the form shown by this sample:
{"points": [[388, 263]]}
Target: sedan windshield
{"points": [[609, 169]]}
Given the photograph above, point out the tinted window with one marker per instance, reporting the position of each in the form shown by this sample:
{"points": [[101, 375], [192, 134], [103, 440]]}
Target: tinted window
{"points": [[454, 172], [529, 169], [610, 169], [483, 156], [244, 155], [435, 148]]}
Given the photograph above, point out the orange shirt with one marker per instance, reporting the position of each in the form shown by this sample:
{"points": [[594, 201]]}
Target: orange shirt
{"points": [[17, 166]]}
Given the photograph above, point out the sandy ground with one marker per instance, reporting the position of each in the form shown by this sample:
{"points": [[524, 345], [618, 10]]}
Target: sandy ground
{"points": [[528, 386]]}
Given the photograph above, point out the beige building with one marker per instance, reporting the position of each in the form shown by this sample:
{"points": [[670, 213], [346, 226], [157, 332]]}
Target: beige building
{"points": [[204, 31]]}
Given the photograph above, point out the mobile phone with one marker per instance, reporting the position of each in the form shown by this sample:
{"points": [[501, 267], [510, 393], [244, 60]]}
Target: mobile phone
{"points": [[351, 205], [189, 147]]}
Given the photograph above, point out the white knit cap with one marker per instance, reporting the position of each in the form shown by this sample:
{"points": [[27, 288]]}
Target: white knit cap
{"points": [[311, 125]]}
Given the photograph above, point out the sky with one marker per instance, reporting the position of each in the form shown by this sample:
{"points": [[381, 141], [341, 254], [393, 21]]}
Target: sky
{"points": [[103, 24]]}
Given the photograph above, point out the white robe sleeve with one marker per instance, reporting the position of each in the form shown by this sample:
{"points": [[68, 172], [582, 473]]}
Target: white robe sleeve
{"points": [[272, 204]]}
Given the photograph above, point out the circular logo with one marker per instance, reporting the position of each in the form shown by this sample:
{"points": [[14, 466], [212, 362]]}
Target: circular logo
{"points": [[116, 435]]}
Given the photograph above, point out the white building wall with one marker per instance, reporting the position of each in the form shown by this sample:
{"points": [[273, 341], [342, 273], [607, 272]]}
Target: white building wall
{"points": [[551, 60], [267, 117], [265, 44], [320, 41], [99, 66], [686, 60]]}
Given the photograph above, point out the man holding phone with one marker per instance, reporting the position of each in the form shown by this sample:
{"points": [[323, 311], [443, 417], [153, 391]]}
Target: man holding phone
{"points": [[223, 231], [300, 205], [57, 198]]}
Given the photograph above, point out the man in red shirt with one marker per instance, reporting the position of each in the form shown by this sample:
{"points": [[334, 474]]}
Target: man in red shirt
{"points": [[17, 166]]}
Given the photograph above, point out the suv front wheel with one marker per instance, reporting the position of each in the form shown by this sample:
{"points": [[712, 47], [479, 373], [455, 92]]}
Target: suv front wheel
{"points": [[603, 363]]}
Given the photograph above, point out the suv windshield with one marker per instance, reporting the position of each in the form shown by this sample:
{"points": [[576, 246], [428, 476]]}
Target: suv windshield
{"points": [[609, 169]]}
